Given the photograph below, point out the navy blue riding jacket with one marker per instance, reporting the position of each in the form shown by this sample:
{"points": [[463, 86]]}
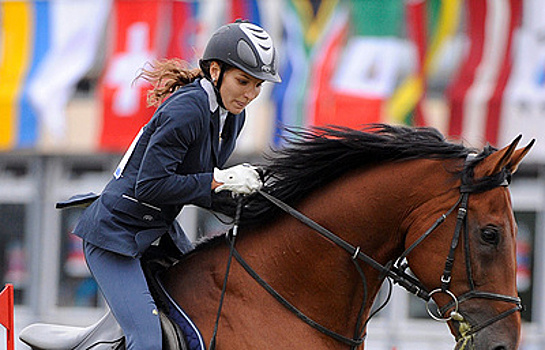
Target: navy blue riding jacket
{"points": [[169, 165]]}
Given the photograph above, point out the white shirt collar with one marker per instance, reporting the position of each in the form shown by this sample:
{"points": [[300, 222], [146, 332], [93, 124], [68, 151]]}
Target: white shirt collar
{"points": [[212, 100]]}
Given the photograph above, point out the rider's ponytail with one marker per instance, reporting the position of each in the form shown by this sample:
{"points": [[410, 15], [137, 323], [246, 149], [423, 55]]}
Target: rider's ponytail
{"points": [[167, 76]]}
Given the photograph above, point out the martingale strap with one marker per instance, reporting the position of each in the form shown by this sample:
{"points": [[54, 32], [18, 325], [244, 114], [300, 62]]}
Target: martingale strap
{"points": [[396, 275], [292, 308]]}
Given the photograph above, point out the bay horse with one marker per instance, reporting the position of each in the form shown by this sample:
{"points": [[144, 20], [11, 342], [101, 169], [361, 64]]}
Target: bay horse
{"points": [[350, 209]]}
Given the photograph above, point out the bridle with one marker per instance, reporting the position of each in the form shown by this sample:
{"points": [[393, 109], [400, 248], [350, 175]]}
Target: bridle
{"points": [[465, 329], [396, 272]]}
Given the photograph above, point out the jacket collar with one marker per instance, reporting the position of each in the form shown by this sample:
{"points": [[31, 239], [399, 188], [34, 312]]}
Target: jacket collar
{"points": [[212, 99]]}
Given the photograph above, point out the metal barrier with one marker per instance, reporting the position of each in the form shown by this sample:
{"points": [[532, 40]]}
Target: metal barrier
{"points": [[6, 315]]}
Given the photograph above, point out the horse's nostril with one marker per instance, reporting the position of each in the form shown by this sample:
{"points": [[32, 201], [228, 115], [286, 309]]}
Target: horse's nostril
{"points": [[500, 347]]}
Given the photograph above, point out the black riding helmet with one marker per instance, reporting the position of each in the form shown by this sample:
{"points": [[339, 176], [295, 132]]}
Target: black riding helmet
{"points": [[245, 46]]}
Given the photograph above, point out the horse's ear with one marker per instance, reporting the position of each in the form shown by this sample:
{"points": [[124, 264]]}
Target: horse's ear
{"points": [[495, 162], [518, 156]]}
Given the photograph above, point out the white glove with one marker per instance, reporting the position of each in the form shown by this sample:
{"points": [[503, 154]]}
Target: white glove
{"points": [[240, 179]]}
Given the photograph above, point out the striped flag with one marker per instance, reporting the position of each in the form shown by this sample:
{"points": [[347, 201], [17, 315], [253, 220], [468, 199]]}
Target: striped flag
{"points": [[475, 95], [306, 38], [76, 28], [46, 48], [16, 52]]}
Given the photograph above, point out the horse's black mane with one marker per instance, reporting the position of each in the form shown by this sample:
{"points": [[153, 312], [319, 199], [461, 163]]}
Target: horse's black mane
{"points": [[313, 157]]}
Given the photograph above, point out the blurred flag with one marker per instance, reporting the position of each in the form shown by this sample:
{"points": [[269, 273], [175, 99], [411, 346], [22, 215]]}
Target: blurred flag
{"points": [[46, 48], [475, 95], [524, 101], [306, 38], [244, 9], [75, 30], [429, 25], [17, 28], [185, 28], [136, 41], [288, 95], [354, 80]]}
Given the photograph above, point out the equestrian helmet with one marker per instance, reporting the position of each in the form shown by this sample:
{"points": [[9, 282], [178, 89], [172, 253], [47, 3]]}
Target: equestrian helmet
{"points": [[247, 47]]}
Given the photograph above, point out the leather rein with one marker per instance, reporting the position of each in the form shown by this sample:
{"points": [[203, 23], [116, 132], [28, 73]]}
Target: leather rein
{"points": [[396, 272]]}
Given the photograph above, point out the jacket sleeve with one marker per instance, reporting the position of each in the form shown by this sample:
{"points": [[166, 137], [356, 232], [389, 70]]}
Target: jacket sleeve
{"points": [[158, 183]]}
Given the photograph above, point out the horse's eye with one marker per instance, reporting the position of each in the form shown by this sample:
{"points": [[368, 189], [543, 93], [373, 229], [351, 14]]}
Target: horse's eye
{"points": [[490, 235]]}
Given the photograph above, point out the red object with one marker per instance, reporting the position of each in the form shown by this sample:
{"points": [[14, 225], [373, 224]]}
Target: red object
{"points": [[495, 102], [470, 72], [185, 27], [6, 315], [333, 107], [138, 27]]}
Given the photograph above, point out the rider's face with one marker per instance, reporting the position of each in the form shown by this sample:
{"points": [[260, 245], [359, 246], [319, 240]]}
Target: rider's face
{"points": [[237, 89]]}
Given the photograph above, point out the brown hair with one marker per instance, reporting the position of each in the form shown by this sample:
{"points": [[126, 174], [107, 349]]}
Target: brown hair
{"points": [[167, 76]]}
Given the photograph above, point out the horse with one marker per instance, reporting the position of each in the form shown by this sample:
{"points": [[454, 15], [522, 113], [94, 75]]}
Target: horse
{"points": [[343, 210]]}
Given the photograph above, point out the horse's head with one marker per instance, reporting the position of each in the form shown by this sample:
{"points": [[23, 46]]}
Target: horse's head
{"points": [[472, 271]]}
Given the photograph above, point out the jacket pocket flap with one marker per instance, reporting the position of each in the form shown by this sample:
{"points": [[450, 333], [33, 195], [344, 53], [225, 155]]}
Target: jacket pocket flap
{"points": [[138, 210]]}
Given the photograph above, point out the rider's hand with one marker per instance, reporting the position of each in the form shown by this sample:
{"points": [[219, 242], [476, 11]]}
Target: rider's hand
{"points": [[240, 179]]}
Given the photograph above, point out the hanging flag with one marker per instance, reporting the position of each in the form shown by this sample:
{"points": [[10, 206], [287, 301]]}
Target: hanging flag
{"points": [[475, 95], [289, 95], [305, 25], [245, 10], [28, 131], [407, 98], [352, 80], [15, 56], [76, 29], [524, 100], [185, 28], [325, 106], [138, 28], [440, 19]]}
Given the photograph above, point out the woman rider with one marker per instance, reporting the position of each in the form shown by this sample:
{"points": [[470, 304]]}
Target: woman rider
{"points": [[175, 160]]}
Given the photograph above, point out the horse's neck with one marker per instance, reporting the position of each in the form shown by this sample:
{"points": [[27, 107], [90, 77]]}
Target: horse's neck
{"points": [[366, 209]]}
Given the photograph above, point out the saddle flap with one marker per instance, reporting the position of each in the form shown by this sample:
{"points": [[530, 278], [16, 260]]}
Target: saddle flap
{"points": [[52, 337], [58, 337]]}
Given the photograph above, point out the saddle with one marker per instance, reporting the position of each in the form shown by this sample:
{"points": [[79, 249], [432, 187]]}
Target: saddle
{"points": [[179, 332]]}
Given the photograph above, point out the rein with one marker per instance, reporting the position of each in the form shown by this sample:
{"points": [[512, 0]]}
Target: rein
{"points": [[395, 271]]}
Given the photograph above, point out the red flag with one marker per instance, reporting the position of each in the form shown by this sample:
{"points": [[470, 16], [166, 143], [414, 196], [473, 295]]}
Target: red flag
{"points": [[185, 27], [330, 105], [6, 314], [136, 41]]}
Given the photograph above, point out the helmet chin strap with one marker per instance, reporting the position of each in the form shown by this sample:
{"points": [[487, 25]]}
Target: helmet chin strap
{"points": [[218, 85]]}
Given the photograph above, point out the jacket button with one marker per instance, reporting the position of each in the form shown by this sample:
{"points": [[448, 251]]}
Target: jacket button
{"points": [[147, 217]]}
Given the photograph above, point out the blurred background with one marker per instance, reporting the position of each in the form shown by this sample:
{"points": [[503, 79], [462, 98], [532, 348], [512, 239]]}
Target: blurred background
{"points": [[69, 107]]}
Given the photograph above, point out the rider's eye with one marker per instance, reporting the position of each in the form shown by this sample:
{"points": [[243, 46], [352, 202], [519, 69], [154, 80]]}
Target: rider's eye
{"points": [[490, 235]]}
